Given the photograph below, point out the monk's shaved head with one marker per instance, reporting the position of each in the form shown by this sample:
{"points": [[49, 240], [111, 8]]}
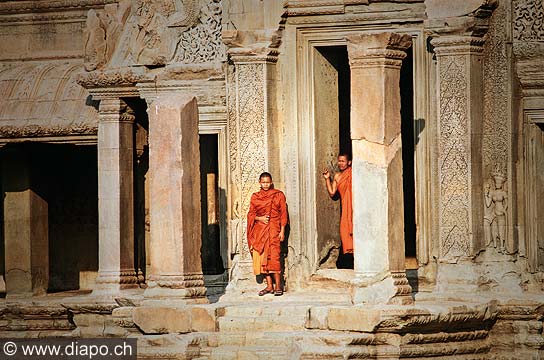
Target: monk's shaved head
{"points": [[264, 175]]}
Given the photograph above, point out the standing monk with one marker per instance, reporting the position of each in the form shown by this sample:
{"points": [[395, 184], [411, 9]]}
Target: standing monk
{"points": [[341, 183], [266, 221]]}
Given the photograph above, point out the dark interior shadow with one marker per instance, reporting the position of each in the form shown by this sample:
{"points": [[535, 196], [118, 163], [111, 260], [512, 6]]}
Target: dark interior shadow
{"points": [[284, 252], [65, 178], [411, 275]]}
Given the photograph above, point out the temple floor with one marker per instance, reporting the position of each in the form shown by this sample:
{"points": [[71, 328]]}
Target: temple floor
{"points": [[305, 324]]}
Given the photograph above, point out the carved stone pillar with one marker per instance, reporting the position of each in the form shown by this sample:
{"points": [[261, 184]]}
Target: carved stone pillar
{"points": [[26, 228], [252, 131], [378, 217], [528, 49], [115, 197], [174, 190], [459, 61]]}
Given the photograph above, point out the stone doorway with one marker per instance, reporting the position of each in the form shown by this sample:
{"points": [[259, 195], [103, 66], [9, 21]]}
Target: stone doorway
{"points": [[535, 195], [408, 128], [50, 214], [212, 200], [212, 262], [331, 76]]}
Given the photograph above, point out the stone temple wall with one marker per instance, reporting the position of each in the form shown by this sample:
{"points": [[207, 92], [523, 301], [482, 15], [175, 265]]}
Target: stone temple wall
{"points": [[139, 80]]}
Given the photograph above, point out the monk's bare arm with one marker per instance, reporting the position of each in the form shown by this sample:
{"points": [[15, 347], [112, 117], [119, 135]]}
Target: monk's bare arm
{"points": [[282, 233], [284, 217], [332, 186]]}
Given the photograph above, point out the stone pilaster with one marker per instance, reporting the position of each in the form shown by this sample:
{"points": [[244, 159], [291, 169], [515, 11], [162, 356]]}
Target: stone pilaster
{"points": [[115, 198], [174, 190], [26, 229], [378, 215], [252, 132], [528, 49], [459, 61]]}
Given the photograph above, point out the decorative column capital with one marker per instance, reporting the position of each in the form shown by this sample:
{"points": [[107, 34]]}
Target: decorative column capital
{"points": [[112, 83], [252, 46], [458, 44], [454, 33], [528, 46], [379, 49], [115, 110]]}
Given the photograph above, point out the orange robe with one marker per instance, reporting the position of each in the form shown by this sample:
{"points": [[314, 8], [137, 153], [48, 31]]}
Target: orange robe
{"points": [[346, 219], [264, 238]]}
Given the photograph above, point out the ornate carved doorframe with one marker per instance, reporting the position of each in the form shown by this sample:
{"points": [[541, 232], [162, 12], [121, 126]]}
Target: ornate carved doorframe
{"points": [[307, 39]]}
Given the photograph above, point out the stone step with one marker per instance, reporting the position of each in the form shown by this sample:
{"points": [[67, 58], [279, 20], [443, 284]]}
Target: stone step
{"points": [[256, 338], [290, 345], [250, 352], [261, 323], [255, 310], [259, 317]]}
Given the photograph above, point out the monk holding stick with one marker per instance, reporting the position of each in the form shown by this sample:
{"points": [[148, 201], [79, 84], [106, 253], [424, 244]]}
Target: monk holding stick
{"points": [[341, 183]]}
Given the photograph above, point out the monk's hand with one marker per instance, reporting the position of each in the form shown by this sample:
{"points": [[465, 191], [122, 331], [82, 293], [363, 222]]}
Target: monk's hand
{"points": [[281, 235], [264, 218], [326, 174]]}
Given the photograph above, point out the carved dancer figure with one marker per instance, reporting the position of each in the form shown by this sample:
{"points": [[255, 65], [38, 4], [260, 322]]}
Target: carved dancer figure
{"points": [[496, 204], [266, 221]]}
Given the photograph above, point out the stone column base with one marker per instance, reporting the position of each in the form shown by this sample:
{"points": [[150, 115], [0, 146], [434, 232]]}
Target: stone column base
{"points": [[393, 289], [112, 281], [187, 288]]}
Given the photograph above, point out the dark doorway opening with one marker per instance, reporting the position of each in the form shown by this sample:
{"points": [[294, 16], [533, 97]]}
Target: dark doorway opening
{"points": [[141, 182], [338, 58], [332, 89], [65, 177], [408, 157], [212, 263]]}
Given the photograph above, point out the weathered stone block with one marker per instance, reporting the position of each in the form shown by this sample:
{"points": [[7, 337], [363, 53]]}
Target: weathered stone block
{"points": [[162, 320], [202, 319], [353, 319]]}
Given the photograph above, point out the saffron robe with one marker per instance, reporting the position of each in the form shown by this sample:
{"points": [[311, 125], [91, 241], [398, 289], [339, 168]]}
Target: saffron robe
{"points": [[264, 238], [346, 219]]}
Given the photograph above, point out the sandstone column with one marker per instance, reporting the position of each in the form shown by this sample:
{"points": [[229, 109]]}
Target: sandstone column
{"points": [[252, 130], [26, 227], [378, 215], [115, 198], [174, 190], [459, 145], [457, 39]]}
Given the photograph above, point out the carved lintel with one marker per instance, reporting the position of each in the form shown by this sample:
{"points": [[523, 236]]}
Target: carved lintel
{"points": [[306, 8], [17, 7], [106, 79], [27, 131]]}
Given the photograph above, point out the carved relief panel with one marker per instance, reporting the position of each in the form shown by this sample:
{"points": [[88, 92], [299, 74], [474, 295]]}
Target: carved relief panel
{"points": [[247, 144], [528, 48], [454, 160], [497, 125], [154, 32]]}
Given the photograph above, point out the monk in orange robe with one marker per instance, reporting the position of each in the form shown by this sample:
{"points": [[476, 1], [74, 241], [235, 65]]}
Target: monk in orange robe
{"points": [[341, 183], [266, 221]]}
